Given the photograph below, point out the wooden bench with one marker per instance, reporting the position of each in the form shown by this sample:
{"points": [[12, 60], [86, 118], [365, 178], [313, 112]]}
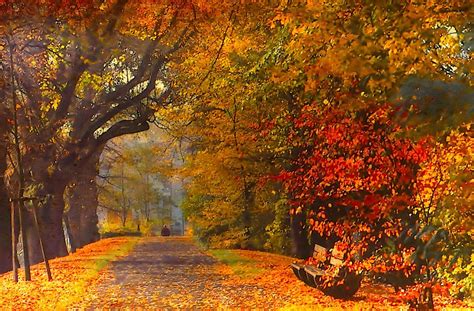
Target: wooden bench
{"points": [[344, 284]]}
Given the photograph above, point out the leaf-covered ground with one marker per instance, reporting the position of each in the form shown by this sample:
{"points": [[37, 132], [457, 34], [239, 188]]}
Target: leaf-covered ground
{"points": [[72, 275], [173, 273]]}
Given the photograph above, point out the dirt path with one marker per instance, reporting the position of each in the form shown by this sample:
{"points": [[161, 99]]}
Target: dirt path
{"points": [[164, 273]]}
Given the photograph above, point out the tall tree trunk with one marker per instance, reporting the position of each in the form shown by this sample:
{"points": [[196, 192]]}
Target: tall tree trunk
{"points": [[51, 221], [5, 227], [299, 236], [89, 218], [83, 202], [82, 214]]}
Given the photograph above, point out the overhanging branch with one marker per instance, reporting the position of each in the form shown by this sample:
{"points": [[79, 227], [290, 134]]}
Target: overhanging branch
{"points": [[123, 127]]}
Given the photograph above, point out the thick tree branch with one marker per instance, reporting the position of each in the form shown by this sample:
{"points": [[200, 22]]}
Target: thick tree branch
{"points": [[68, 93], [123, 90], [80, 65], [115, 13], [125, 104], [155, 71], [121, 128]]}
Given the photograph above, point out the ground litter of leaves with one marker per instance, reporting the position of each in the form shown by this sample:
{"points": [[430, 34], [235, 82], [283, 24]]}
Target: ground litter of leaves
{"points": [[72, 275], [173, 273]]}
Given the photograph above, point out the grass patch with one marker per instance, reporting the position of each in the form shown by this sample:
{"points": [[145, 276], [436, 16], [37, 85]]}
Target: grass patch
{"points": [[240, 266], [112, 231]]}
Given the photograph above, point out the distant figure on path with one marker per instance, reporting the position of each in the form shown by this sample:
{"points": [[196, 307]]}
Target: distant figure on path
{"points": [[165, 231]]}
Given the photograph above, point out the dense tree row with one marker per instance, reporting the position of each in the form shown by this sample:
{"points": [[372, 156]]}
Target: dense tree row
{"points": [[74, 76], [331, 118]]}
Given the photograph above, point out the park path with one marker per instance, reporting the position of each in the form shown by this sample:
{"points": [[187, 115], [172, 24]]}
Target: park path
{"points": [[173, 273], [162, 273]]}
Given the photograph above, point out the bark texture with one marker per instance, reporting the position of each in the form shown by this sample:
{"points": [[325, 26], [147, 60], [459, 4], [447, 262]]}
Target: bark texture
{"points": [[5, 227], [299, 235], [83, 203], [50, 217]]}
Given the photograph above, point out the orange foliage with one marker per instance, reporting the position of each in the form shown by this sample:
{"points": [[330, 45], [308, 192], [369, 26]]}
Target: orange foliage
{"points": [[71, 276]]}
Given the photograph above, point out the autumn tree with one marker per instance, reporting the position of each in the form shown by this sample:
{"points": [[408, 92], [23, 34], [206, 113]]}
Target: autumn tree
{"points": [[350, 58], [441, 111], [225, 99], [341, 65], [97, 70]]}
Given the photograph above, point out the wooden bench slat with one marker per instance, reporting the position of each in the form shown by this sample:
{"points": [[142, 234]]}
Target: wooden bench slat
{"points": [[313, 271]]}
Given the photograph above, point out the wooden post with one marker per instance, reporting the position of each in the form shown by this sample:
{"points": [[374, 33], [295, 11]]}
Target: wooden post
{"points": [[26, 259], [21, 175], [71, 237], [14, 253], [38, 231]]}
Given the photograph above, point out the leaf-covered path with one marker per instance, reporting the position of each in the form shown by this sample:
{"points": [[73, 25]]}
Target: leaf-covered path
{"points": [[157, 273], [174, 273], [160, 273]]}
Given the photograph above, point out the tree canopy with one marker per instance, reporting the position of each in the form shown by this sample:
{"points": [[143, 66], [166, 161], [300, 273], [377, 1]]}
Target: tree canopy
{"points": [[343, 123]]}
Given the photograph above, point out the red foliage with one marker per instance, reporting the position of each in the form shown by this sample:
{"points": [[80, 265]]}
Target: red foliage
{"points": [[351, 172]]}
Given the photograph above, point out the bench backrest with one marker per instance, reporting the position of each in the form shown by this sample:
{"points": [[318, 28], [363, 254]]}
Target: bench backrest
{"points": [[320, 254], [337, 257]]}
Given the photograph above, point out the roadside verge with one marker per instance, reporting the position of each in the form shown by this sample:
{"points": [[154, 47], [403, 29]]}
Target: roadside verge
{"points": [[72, 275]]}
